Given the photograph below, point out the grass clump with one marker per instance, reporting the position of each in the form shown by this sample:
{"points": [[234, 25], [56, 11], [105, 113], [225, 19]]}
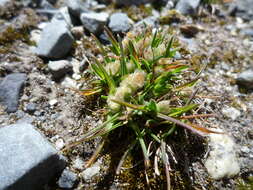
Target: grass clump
{"points": [[143, 88]]}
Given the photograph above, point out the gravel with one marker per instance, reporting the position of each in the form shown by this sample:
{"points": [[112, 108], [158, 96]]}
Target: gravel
{"points": [[59, 68], [245, 79], [68, 179]]}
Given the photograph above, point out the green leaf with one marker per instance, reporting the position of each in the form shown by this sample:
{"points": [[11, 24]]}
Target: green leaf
{"points": [[115, 46], [123, 67], [168, 52], [179, 111], [151, 107]]}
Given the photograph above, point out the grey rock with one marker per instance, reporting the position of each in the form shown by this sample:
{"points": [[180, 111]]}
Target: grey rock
{"points": [[119, 22], [10, 90], [94, 22], [149, 21], [132, 2], [31, 108], [56, 40], [28, 161], [90, 172], [68, 179], [63, 14], [245, 79], [59, 68], [243, 9], [76, 7], [187, 7]]}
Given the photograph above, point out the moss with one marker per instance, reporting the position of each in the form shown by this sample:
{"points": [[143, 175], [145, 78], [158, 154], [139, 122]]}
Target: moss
{"points": [[245, 184]]}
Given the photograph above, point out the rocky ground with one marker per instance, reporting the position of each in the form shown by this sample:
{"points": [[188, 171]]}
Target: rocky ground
{"points": [[45, 46]]}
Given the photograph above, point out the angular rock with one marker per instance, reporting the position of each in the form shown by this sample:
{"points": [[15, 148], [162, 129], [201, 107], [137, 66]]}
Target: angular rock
{"points": [[76, 7], [119, 22], [10, 90], [187, 7], [68, 179], [28, 160], [56, 40], [59, 68], [94, 22], [132, 2], [63, 14], [245, 79]]}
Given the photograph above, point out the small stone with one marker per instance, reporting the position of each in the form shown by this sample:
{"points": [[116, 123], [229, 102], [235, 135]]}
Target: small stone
{"points": [[119, 23], [231, 112], [245, 79], [56, 40], [151, 22], [31, 108], [94, 22], [59, 144], [28, 160], [63, 14], [222, 161], [69, 83], [78, 66], [91, 171], [53, 102], [68, 179], [79, 164], [10, 90], [77, 31], [59, 68], [187, 7], [245, 149]]}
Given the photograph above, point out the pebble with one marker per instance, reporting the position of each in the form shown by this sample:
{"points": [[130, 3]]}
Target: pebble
{"points": [[245, 79], [68, 179], [69, 83], [245, 149], [119, 22], [10, 91], [187, 7], [91, 171], [56, 40], [222, 160], [59, 144], [231, 112], [59, 68], [31, 108], [79, 164], [94, 22], [28, 160], [53, 102]]}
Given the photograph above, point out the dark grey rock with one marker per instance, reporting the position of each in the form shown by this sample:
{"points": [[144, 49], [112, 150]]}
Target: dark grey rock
{"points": [[243, 9], [28, 160], [94, 22], [56, 40], [10, 90], [59, 68], [68, 179], [119, 22], [132, 2], [187, 7], [76, 7], [31, 108], [245, 79]]}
